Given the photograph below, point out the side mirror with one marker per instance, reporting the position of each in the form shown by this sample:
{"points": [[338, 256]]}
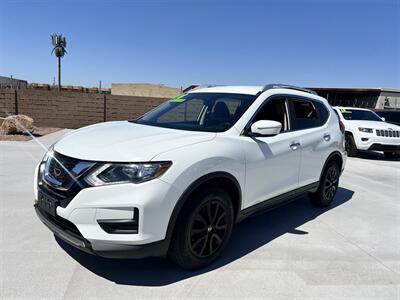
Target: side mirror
{"points": [[266, 128], [383, 119]]}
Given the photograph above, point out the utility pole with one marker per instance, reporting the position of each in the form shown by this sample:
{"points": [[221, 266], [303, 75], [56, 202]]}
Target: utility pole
{"points": [[59, 73], [60, 43]]}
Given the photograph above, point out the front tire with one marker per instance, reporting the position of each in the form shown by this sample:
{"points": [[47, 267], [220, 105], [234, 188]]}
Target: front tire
{"points": [[328, 186], [203, 229], [350, 145]]}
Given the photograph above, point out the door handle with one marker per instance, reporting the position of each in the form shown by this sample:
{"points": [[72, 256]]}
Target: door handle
{"points": [[295, 145], [327, 137]]}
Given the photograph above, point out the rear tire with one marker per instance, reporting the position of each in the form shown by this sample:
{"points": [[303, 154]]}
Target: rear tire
{"points": [[350, 145], [328, 186], [202, 230]]}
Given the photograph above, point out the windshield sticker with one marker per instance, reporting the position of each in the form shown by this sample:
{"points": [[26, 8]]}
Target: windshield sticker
{"points": [[180, 98], [343, 110]]}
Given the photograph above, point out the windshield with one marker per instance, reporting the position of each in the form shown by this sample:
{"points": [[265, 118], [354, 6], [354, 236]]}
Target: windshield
{"points": [[357, 114], [211, 112]]}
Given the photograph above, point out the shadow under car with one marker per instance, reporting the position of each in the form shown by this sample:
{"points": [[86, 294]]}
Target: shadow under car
{"points": [[249, 235]]}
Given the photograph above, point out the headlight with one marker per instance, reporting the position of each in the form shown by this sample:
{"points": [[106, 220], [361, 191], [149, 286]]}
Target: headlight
{"points": [[125, 173], [363, 129]]}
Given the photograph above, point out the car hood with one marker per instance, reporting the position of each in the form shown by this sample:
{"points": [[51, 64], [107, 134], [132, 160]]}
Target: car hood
{"points": [[373, 124], [124, 141]]}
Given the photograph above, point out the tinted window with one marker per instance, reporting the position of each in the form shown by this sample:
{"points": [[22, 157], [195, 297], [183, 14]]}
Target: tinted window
{"points": [[212, 112], [323, 112], [305, 114], [358, 114], [390, 116], [274, 109]]}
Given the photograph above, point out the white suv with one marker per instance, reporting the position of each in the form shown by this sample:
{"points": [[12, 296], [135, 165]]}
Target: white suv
{"points": [[174, 181], [365, 130]]}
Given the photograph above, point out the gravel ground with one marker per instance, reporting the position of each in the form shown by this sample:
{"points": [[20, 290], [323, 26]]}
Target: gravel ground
{"points": [[349, 251]]}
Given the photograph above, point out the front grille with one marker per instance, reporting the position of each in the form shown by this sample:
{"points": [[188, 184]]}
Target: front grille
{"points": [[59, 169], [388, 133], [62, 177]]}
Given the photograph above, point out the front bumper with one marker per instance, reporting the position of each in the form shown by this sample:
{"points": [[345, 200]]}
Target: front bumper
{"points": [[154, 201], [384, 147], [66, 232], [372, 142]]}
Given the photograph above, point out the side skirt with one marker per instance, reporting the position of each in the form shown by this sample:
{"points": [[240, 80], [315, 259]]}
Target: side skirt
{"points": [[276, 201]]}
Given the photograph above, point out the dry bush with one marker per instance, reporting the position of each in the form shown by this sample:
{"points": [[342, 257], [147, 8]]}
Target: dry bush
{"points": [[16, 124]]}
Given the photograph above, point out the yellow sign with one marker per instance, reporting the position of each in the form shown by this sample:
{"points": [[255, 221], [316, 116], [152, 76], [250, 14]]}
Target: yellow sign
{"points": [[180, 98]]}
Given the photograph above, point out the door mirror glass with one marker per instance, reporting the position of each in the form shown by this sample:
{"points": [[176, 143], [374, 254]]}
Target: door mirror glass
{"points": [[266, 128]]}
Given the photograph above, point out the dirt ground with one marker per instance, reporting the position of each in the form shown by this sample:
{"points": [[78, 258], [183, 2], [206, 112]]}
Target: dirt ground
{"points": [[40, 131]]}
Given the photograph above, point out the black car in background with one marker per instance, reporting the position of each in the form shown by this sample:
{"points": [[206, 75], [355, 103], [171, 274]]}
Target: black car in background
{"points": [[391, 116]]}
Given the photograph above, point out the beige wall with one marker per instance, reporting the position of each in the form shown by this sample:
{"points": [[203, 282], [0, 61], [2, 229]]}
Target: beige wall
{"points": [[144, 90]]}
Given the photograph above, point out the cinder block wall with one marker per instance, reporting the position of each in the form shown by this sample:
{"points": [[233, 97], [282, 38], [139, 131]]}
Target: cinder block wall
{"points": [[7, 102], [129, 107], [72, 109]]}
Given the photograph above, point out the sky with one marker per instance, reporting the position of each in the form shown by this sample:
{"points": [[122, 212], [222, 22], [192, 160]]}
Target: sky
{"points": [[325, 43]]}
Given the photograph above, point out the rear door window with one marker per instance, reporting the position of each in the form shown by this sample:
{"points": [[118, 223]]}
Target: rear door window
{"points": [[304, 113]]}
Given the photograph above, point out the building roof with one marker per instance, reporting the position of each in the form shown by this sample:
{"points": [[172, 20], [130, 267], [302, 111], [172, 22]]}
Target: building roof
{"points": [[341, 89]]}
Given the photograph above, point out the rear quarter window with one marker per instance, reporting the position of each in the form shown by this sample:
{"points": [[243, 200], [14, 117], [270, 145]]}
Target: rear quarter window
{"points": [[323, 112]]}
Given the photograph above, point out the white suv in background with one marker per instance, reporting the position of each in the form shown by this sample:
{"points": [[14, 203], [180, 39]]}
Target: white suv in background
{"points": [[175, 181], [365, 130]]}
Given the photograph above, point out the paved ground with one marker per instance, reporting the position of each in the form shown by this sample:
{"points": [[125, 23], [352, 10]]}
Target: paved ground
{"points": [[350, 251]]}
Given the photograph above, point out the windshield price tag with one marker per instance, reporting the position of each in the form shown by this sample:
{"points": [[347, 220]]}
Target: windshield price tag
{"points": [[180, 98]]}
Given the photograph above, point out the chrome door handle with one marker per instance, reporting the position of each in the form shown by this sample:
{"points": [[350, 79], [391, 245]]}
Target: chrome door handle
{"points": [[294, 145], [327, 137]]}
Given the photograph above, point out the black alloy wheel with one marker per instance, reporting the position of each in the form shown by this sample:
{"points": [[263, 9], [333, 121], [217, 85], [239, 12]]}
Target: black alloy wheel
{"points": [[331, 183], [203, 228], [208, 229], [328, 186]]}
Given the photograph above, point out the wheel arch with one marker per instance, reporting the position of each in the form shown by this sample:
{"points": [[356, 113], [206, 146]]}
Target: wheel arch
{"points": [[227, 180], [348, 132], [353, 135], [334, 156]]}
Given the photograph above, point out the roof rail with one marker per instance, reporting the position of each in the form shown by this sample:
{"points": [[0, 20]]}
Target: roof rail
{"points": [[285, 86], [198, 86], [190, 87]]}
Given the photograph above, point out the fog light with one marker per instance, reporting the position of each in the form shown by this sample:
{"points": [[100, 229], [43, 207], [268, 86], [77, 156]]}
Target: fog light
{"points": [[121, 226]]}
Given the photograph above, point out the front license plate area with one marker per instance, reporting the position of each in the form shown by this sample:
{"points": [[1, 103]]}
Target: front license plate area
{"points": [[47, 203]]}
